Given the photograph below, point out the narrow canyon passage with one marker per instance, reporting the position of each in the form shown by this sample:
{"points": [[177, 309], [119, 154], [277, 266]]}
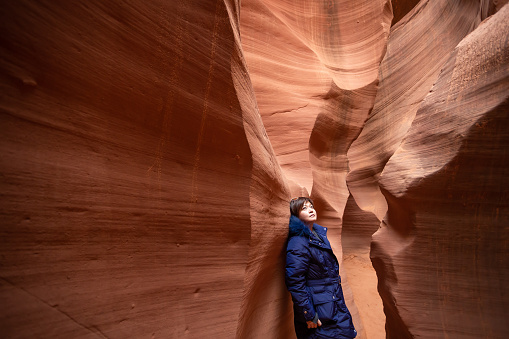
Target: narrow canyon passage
{"points": [[150, 149], [315, 79], [333, 129]]}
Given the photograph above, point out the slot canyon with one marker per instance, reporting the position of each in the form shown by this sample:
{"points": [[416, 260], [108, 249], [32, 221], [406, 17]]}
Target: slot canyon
{"points": [[150, 150]]}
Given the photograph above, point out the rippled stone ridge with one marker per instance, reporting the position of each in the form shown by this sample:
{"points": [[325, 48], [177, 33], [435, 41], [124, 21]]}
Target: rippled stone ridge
{"points": [[149, 151]]}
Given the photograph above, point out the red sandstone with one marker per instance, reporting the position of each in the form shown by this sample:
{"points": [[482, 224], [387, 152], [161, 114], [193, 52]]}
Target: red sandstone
{"points": [[149, 151]]}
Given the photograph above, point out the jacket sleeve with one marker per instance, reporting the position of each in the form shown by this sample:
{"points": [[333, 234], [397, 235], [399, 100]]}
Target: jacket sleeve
{"points": [[297, 264]]}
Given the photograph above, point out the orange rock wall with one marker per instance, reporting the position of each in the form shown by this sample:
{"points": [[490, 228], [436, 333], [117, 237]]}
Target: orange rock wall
{"points": [[314, 67], [135, 172], [149, 151], [441, 253]]}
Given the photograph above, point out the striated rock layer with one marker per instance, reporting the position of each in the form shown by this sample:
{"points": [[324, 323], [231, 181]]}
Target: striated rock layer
{"points": [[135, 172], [295, 58], [418, 47], [441, 254], [145, 180], [314, 67]]}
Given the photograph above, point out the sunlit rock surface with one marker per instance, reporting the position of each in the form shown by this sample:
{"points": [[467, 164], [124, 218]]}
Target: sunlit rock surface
{"points": [[149, 151], [314, 67]]}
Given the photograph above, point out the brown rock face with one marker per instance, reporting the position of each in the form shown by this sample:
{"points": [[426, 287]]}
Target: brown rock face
{"points": [[314, 67], [134, 171], [149, 150], [418, 47], [442, 250]]}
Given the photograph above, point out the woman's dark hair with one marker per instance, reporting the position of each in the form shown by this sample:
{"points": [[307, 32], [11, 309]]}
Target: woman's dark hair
{"points": [[297, 203]]}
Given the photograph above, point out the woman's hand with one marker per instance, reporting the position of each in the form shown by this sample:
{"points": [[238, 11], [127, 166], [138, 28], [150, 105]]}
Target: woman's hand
{"points": [[313, 325]]}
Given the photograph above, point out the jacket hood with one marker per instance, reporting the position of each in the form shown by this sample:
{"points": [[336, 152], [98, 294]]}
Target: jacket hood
{"points": [[297, 227]]}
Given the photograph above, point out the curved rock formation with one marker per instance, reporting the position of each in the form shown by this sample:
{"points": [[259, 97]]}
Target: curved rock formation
{"points": [[134, 170], [145, 180], [295, 58], [442, 252], [335, 128], [357, 229], [348, 38], [418, 47], [314, 71]]}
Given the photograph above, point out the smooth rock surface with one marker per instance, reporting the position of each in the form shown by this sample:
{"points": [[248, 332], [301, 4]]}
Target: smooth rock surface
{"points": [[442, 251], [312, 66], [417, 49], [357, 228], [130, 190], [149, 151]]}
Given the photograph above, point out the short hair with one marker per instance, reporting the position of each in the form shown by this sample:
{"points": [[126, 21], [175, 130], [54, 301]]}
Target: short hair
{"points": [[297, 203]]}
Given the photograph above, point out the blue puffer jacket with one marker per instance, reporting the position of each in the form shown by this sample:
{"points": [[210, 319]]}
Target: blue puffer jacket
{"points": [[312, 277]]}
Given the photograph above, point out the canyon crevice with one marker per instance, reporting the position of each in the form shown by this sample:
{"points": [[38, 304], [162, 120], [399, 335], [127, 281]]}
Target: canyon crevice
{"points": [[150, 149]]}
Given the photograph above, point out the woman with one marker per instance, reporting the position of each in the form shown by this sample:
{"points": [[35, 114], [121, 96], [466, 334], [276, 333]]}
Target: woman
{"points": [[312, 277]]}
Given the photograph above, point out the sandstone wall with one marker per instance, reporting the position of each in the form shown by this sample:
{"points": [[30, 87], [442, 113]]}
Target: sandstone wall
{"points": [[149, 151], [441, 253], [134, 170], [314, 67]]}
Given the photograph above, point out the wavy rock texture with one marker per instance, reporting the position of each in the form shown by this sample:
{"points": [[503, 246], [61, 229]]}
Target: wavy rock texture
{"points": [[145, 181], [447, 186], [286, 43], [314, 67], [418, 47], [135, 173], [400, 8]]}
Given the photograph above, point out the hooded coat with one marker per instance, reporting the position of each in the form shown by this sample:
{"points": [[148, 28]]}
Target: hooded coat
{"points": [[312, 277]]}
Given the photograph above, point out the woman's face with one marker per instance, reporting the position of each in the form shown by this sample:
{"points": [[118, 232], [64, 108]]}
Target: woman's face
{"points": [[307, 213]]}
